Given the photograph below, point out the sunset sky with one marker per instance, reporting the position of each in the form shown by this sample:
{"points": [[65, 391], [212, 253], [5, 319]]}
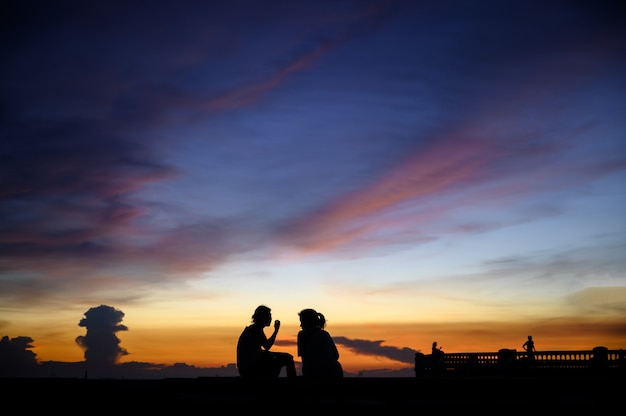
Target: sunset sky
{"points": [[417, 171]]}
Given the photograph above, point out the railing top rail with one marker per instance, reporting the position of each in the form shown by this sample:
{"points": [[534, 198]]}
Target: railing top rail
{"points": [[613, 351]]}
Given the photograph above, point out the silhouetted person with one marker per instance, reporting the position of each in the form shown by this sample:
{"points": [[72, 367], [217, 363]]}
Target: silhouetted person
{"points": [[254, 358], [437, 357], [529, 347], [320, 357]]}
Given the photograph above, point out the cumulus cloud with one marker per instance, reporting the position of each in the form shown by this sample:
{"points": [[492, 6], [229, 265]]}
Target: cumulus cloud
{"points": [[101, 345]]}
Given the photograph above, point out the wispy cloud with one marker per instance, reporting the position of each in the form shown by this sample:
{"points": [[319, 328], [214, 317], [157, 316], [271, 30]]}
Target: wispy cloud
{"points": [[374, 348]]}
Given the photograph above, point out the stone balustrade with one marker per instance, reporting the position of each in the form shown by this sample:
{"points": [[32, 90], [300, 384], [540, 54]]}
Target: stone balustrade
{"points": [[599, 358]]}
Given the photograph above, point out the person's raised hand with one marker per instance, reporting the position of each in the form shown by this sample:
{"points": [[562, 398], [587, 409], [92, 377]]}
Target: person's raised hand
{"points": [[276, 324]]}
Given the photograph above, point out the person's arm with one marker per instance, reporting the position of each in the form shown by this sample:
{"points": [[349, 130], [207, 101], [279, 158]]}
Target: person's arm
{"points": [[299, 343], [270, 341], [331, 343]]}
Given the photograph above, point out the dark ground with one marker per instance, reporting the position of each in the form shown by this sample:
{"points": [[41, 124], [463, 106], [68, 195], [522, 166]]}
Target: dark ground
{"points": [[525, 393]]}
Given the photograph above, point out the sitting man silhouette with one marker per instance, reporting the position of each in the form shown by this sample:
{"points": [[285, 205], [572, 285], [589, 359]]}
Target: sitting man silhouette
{"points": [[254, 358], [437, 358]]}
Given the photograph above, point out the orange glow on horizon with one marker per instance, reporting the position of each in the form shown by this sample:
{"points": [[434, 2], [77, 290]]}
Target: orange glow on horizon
{"points": [[211, 347]]}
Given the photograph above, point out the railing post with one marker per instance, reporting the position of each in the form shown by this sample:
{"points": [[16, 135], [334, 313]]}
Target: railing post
{"points": [[420, 363], [600, 359], [507, 358], [438, 362]]}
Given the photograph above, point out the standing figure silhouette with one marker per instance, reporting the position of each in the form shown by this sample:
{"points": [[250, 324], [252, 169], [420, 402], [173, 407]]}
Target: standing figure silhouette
{"points": [[254, 358], [529, 347]]}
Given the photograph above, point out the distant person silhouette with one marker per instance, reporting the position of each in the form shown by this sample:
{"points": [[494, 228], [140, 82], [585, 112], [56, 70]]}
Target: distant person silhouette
{"points": [[254, 358], [529, 347], [437, 361], [320, 357]]}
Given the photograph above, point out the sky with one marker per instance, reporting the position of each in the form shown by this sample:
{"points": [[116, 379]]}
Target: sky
{"points": [[417, 171]]}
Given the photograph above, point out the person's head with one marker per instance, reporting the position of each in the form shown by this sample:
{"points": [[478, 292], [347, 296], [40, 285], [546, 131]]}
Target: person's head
{"points": [[262, 315], [530, 337], [310, 319]]}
